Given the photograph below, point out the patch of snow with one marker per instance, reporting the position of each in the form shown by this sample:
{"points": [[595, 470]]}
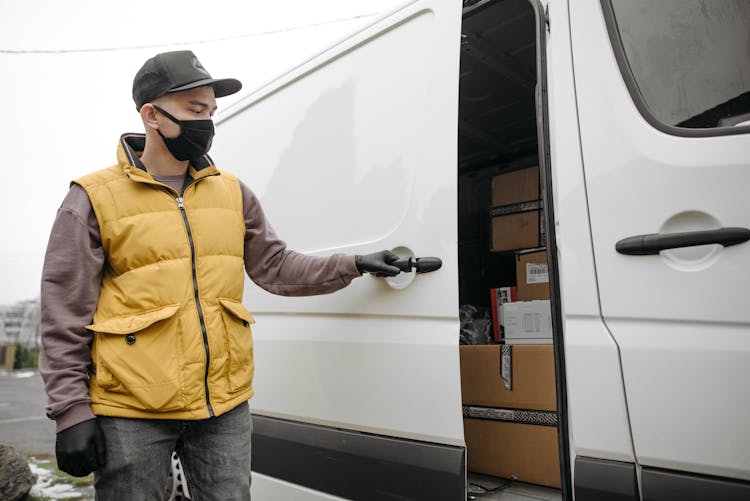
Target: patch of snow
{"points": [[46, 485], [21, 373]]}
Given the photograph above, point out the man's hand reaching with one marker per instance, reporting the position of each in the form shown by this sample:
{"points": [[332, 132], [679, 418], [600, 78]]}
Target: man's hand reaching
{"points": [[377, 263]]}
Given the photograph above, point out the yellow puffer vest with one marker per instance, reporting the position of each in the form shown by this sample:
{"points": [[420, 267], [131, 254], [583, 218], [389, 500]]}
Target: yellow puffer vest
{"points": [[172, 339]]}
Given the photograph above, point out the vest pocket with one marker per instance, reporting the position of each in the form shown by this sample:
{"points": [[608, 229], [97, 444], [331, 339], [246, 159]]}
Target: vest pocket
{"points": [[138, 360], [238, 339]]}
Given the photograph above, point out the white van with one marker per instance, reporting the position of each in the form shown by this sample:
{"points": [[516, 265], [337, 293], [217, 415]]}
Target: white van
{"points": [[637, 113]]}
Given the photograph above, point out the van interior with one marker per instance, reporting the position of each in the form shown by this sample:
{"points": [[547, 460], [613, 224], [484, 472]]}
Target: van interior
{"points": [[507, 361]]}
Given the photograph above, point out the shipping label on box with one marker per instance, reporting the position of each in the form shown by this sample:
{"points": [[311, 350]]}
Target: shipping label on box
{"points": [[527, 320], [536, 273], [532, 275]]}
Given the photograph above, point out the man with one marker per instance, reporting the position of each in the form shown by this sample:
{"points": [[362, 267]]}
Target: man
{"points": [[146, 346]]}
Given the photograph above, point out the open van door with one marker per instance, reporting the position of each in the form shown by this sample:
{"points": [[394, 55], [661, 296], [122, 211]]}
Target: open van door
{"points": [[663, 114], [353, 152]]}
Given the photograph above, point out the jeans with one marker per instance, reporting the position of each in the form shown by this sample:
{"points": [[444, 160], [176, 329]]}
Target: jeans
{"points": [[214, 452]]}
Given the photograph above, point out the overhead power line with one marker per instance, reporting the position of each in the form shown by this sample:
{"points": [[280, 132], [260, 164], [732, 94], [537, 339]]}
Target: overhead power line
{"points": [[194, 42]]}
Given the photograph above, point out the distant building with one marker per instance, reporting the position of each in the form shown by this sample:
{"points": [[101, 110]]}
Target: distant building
{"points": [[21, 323]]}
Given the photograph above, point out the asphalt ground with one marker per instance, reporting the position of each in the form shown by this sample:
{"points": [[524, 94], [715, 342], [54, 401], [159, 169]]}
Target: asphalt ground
{"points": [[23, 423]]}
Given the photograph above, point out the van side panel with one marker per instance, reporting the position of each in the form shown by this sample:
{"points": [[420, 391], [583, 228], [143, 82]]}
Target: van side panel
{"points": [[680, 317], [357, 465], [354, 152], [598, 414]]}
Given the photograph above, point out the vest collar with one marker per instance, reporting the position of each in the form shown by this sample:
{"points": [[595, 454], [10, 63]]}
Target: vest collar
{"points": [[131, 147]]}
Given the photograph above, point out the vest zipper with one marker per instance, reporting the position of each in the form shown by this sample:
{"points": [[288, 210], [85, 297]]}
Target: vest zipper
{"points": [[197, 302]]}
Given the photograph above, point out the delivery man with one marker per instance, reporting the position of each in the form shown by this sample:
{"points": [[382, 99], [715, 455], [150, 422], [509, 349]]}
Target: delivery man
{"points": [[146, 345]]}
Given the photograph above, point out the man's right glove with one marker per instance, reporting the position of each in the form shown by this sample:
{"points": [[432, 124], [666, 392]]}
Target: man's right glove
{"points": [[377, 263], [81, 448]]}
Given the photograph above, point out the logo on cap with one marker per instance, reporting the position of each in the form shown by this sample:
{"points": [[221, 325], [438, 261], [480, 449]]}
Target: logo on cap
{"points": [[198, 66]]}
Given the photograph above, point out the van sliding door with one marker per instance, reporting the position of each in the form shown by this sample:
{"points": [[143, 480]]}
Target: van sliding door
{"points": [[358, 392], [665, 130]]}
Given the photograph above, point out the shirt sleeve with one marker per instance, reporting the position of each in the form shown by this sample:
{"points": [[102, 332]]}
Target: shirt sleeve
{"points": [[285, 272], [71, 280]]}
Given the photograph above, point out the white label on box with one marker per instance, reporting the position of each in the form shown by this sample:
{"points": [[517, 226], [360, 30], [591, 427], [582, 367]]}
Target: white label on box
{"points": [[532, 322], [536, 273], [528, 319]]}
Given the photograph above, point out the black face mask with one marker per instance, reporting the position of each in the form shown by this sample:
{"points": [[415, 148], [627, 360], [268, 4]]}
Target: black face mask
{"points": [[194, 139]]}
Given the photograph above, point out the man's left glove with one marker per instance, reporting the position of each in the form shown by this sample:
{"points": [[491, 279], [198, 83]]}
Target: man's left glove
{"points": [[81, 448], [377, 263]]}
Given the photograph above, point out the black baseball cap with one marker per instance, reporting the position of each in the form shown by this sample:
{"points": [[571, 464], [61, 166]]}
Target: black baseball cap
{"points": [[175, 71]]}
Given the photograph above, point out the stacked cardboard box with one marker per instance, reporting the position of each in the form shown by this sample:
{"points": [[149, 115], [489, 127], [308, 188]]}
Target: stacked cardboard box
{"points": [[510, 412], [532, 378], [532, 276], [516, 225], [508, 390], [516, 211]]}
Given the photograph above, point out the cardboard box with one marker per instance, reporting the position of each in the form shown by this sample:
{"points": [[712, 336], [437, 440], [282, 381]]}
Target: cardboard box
{"points": [[502, 449], [517, 231], [514, 187], [532, 373], [518, 224], [527, 322], [532, 276], [498, 296]]}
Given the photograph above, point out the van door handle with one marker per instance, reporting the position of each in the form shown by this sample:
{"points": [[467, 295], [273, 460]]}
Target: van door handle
{"points": [[420, 264], [653, 243]]}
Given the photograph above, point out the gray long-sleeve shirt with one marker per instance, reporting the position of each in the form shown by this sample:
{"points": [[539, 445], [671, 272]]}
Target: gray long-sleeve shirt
{"points": [[71, 280]]}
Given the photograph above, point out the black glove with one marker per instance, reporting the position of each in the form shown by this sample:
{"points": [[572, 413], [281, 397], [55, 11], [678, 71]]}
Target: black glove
{"points": [[81, 449], [377, 263]]}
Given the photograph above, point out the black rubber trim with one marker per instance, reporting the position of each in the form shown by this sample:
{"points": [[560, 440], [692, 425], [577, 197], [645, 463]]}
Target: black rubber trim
{"points": [[547, 223], [605, 480], [635, 92], [663, 485], [654, 243], [356, 465]]}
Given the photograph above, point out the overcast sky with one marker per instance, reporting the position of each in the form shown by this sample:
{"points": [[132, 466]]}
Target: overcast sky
{"points": [[67, 70]]}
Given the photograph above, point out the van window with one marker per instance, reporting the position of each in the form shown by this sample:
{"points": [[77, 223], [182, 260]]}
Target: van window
{"points": [[686, 62]]}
